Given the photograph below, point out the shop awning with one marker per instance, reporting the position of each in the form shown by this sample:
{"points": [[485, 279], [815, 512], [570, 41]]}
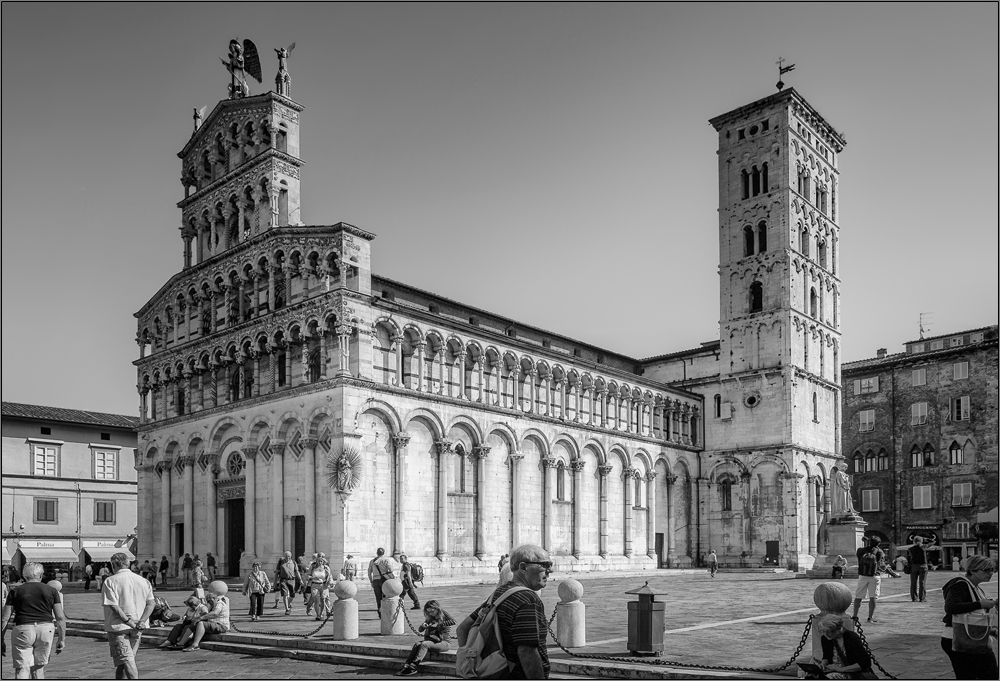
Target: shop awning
{"points": [[6, 556], [49, 555], [102, 554]]}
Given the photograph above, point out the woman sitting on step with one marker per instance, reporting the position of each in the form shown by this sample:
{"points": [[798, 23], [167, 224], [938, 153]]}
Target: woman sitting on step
{"points": [[437, 636]]}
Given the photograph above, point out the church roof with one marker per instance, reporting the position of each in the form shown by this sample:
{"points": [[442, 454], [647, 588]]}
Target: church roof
{"points": [[771, 100], [91, 418]]}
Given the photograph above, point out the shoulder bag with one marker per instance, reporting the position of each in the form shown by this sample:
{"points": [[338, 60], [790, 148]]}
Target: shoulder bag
{"points": [[971, 630]]}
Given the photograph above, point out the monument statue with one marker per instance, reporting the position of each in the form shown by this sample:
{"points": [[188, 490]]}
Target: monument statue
{"points": [[243, 60], [842, 504], [283, 82]]}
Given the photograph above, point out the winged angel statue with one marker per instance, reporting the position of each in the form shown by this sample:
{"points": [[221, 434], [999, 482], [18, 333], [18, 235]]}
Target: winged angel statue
{"points": [[243, 61]]}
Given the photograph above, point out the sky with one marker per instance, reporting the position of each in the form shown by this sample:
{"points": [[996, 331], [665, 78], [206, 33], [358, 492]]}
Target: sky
{"points": [[551, 163]]}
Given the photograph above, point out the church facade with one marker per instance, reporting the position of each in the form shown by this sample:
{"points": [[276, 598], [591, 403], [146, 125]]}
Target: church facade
{"points": [[290, 399]]}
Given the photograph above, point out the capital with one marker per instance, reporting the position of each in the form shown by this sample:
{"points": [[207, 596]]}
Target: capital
{"points": [[400, 440], [481, 451], [444, 446], [185, 462], [278, 449], [650, 476], [550, 462], [577, 464], [516, 457], [309, 442], [605, 469], [250, 452], [670, 479], [630, 472]]}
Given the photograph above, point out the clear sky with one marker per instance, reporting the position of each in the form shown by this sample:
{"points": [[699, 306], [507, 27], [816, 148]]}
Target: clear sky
{"points": [[550, 163]]}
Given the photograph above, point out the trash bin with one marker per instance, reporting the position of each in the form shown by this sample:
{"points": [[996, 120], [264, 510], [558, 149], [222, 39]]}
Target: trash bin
{"points": [[645, 622]]}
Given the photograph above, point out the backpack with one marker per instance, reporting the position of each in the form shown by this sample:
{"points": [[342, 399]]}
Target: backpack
{"points": [[416, 574], [482, 655], [868, 564]]}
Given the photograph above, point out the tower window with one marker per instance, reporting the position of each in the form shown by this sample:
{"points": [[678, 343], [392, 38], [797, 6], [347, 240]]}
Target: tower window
{"points": [[741, 133], [717, 402], [726, 495], [821, 253], [756, 297], [755, 180], [804, 242], [763, 178], [745, 183], [957, 455], [816, 409], [761, 237], [747, 240], [812, 303]]}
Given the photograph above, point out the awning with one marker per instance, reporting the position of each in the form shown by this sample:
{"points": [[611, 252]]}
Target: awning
{"points": [[103, 554], [49, 555], [6, 556]]}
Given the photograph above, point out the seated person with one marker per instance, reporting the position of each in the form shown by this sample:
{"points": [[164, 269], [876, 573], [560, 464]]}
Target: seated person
{"points": [[844, 655], [215, 621], [195, 610], [839, 566]]}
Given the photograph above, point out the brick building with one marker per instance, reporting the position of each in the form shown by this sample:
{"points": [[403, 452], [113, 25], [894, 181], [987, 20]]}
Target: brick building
{"points": [[920, 428], [292, 399], [69, 484]]}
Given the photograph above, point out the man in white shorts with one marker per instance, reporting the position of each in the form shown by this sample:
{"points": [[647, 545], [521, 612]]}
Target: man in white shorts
{"points": [[869, 579]]}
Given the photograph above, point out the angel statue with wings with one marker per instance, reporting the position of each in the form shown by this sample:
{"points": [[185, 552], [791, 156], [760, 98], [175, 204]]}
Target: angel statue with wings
{"points": [[243, 60], [283, 82]]}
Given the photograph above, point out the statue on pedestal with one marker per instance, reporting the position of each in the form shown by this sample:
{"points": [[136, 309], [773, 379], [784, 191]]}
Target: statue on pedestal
{"points": [[243, 60], [843, 505]]}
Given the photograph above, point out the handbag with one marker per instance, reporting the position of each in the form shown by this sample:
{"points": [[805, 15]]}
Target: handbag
{"points": [[971, 630]]}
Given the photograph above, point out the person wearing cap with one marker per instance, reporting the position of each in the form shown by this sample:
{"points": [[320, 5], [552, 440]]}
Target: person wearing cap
{"points": [[128, 603], [217, 619]]}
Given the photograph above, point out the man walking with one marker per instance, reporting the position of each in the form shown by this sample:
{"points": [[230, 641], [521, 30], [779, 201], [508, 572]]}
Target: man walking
{"points": [[869, 579], [35, 606], [286, 575], [211, 565], [350, 569], [128, 603], [379, 571], [406, 576], [521, 614], [164, 568], [186, 566], [88, 574], [916, 556], [713, 562]]}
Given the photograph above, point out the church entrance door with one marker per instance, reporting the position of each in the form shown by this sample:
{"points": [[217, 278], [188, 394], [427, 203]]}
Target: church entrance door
{"points": [[235, 537]]}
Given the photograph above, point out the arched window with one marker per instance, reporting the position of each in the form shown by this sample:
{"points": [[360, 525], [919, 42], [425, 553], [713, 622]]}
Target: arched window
{"points": [[745, 183], [638, 501], [755, 180], [870, 462], [812, 302], [821, 253], [916, 457], [234, 383], [747, 241], [763, 178], [957, 454], [756, 297], [459, 461], [928, 455], [717, 404], [179, 405], [815, 408], [883, 460], [761, 237], [804, 242], [726, 495], [857, 462], [314, 360], [561, 481]]}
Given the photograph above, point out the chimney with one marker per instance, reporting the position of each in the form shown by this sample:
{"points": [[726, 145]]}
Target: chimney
{"points": [[882, 353]]}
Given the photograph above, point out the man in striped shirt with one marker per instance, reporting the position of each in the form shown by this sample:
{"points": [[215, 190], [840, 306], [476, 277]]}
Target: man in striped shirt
{"points": [[523, 625]]}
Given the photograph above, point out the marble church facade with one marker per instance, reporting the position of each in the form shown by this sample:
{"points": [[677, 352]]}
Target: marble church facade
{"points": [[290, 399]]}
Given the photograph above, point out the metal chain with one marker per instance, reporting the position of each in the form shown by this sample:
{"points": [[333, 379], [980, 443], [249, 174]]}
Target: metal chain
{"points": [[329, 614], [861, 635], [674, 663], [407, 618]]}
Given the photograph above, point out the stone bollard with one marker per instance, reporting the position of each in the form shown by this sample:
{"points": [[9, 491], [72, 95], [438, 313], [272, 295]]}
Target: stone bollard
{"points": [[571, 615], [832, 598], [345, 611], [390, 602]]}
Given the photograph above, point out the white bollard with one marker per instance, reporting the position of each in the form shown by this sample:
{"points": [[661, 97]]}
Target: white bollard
{"points": [[390, 603], [345, 611], [571, 615]]}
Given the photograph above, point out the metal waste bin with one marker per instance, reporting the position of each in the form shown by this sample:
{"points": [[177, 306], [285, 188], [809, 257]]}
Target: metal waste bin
{"points": [[645, 622]]}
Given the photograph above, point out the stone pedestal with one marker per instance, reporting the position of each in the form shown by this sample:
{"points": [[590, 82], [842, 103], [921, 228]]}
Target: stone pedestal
{"points": [[345, 611], [844, 539], [571, 615]]}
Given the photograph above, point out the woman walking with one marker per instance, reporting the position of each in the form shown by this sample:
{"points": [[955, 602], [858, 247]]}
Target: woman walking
{"points": [[963, 595], [255, 586]]}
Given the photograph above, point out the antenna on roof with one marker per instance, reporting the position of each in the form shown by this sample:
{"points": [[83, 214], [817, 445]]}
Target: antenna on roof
{"points": [[924, 326], [782, 70]]}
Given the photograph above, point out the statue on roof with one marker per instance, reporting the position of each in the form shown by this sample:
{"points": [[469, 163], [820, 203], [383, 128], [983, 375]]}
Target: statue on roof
{"points": [[243, 61], [283, 82]]}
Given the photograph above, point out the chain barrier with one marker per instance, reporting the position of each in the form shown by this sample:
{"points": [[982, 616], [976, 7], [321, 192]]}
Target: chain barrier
{"points": [[329, 614], [861, 635], [407, 618]]}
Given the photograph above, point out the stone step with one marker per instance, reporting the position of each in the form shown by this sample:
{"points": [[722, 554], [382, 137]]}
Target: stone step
{"points": [[390, 656]]}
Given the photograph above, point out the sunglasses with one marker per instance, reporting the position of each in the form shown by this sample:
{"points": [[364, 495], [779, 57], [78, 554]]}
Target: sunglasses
{"points": [[544, 564]]}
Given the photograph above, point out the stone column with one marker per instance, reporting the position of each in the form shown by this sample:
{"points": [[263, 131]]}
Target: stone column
{"points": [[278, 497], [811, 490], [651, 515], [671, 547], [604, 470], [577, 466], [481, 452], [400, 441], [250, 505], [530, 380], [515, 500], [420, 366], [548, 494], [322, 353], [515, 387], [211, 525], [827, 507], [605, 399], [444, 449], [561, 384], [686, 424], [187, 464], [482, 379], [628, 476], [257, 382], [344, 340], [704, 505], [309, 501], [397, 342], [289, 344], [461, 376], [165, 468]]}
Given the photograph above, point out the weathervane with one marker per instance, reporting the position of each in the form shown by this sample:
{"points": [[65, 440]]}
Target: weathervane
{"points": [[782, 70], [243, 60]]}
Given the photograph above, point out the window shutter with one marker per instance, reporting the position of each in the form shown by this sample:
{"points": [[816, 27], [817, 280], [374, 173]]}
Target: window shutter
{"points": [[875, 389], [857, 386], [965, 408]]}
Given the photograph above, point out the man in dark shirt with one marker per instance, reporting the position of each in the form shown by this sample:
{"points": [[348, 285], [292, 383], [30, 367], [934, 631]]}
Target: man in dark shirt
{"points": [[869, 579], [523, 625], [34, 605], [916, 556]]}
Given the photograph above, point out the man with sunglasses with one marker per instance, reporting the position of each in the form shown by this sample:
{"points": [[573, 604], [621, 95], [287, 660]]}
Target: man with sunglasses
{"points": [[523, 625]]}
